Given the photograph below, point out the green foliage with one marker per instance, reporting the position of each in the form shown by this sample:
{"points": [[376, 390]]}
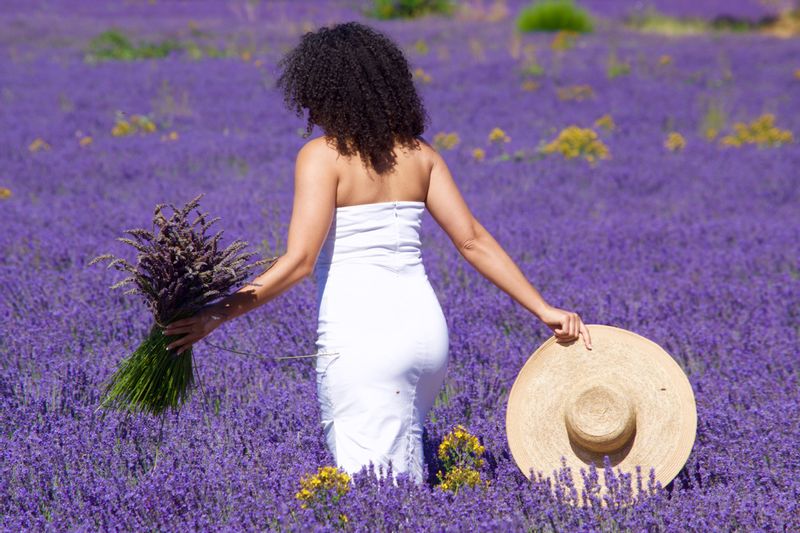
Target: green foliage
{"points": [[615, 67], [554, 15], [151, 379], [532, 69], [113, 45], [392, 9], [653, 21]]}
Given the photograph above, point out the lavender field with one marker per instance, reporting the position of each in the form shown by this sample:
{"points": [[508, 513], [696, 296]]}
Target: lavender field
{"points": [[685, 228]]}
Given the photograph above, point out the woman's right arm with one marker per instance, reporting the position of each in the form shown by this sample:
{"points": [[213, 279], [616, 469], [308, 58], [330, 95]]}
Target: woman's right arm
{"points": [[484, 253]]}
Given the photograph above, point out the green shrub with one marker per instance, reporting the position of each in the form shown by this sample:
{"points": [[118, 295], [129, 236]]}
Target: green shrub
{"points": [[554, 15], [116, 46], [653, 21], [390, 9]]}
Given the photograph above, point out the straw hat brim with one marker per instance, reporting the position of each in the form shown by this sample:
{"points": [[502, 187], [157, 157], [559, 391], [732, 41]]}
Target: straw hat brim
{"points": [[565, 396]]}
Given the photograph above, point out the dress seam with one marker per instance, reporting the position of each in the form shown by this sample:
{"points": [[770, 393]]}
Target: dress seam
{"points": [[411, 465]]}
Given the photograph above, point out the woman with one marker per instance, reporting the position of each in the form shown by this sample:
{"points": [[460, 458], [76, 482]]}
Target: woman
{"points": [[360, 190]]}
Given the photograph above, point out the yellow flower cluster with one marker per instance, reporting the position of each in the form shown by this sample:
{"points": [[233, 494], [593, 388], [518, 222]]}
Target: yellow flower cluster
{"points": [[563, 40], [460, 442], [605, 122], [574, 141], [421, 46], [446, 140], [86, 140], [171, 136], [5, 193], [576, 93], [422, 75], [459, 477], [137, 123], [460, 453], [665, 60], [498, 135], [38, 144], [675, 142], [761, 131], [530, 85], [329, 483], [496, 138], [711, 133], [797, 74]]}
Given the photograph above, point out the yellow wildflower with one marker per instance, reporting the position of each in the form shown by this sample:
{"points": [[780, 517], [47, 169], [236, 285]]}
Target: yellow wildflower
{"points": [[574, 141], [140, 123], [329, 484], [458, 477], [797, 74], [246, 55], [530, 85], [665, 60], [498, 135], [85, 141], [460, 453], [761, 131], [446, 140], [605, 122], [711, 133], [143, 123], [459, 446], [479, 154], [422, 75], [575, 92], [675, 142], [171, 136], [5, 193], [38, 144], [563, 40], [122, 128], [421, 46]]}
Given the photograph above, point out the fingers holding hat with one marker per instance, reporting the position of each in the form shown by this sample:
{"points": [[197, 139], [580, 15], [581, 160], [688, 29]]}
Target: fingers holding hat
{"points": [[572, 328], [567, 326], [564, 333], [587, 338]]}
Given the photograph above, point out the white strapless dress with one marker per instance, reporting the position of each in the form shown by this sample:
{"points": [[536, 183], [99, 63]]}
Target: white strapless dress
{"points": [[379, 314]]}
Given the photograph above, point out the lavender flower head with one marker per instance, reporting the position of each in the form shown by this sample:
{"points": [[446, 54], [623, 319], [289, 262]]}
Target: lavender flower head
{"points": [[179, 269]]}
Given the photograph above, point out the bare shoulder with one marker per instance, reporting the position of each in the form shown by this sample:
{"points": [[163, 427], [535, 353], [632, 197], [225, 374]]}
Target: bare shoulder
{"points": [[316, 154], [316, 148], [428, 153]]}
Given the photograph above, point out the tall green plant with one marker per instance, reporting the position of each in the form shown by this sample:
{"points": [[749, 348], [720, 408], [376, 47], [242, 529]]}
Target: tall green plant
{"points": [[554, 15], [116, 46], [391, 9]]}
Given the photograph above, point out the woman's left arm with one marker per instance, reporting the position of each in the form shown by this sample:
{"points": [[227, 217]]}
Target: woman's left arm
{"points": [[312, 212]]}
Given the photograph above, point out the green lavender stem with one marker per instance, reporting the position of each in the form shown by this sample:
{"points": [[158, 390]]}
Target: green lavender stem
{"points": [[152, 379]]}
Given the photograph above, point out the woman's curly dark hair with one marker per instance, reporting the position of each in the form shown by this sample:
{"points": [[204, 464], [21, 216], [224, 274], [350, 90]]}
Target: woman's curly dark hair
{"points": [[358, 87]]}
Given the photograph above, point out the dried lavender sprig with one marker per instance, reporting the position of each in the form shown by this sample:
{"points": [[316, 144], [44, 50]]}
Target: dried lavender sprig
{"points": [[179, 263]]}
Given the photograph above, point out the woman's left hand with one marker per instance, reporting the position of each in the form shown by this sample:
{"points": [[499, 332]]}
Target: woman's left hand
{"points": [[195, 328]]}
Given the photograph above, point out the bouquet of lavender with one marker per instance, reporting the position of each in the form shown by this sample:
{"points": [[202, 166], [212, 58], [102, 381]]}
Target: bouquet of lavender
{"points": [[179, 270]]}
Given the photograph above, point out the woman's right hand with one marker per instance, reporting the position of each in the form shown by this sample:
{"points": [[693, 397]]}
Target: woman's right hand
{"points": [[566, 325]]}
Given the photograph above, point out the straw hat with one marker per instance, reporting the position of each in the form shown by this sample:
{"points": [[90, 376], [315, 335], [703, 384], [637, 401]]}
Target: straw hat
{"points": [[625, 398]]}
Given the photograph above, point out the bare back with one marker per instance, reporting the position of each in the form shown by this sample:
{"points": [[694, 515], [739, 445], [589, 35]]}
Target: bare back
{"points": [[358, 184]]}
